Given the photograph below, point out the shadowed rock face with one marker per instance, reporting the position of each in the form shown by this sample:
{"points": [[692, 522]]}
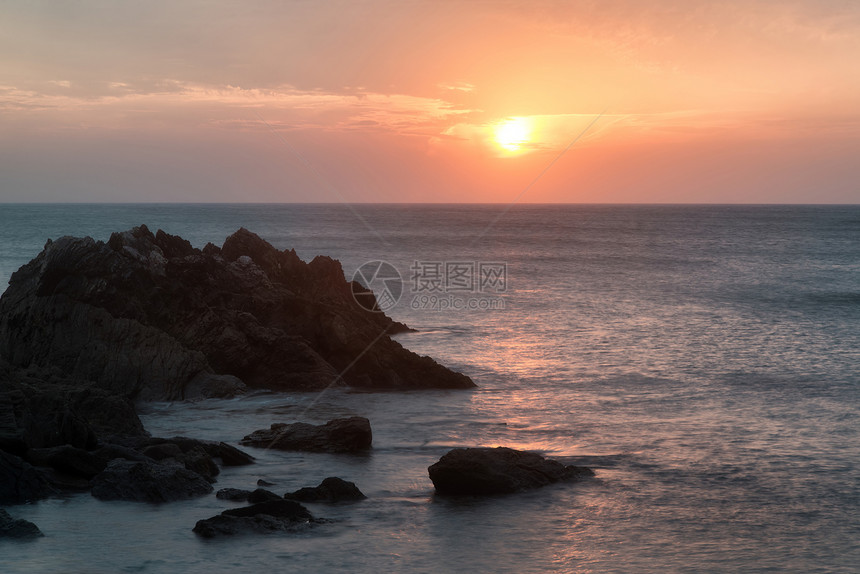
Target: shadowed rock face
{"points": [[17, 528], [481, 471], [149, 317], [148, 482], [20, 482], [332, 489], [351, 434], [262, 518]]}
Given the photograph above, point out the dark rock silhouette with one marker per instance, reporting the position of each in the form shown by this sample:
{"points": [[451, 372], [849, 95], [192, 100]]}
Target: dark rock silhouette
{"points": [[331, 489], [501, 470], [148, 481], [17, 528], [262, 495], [147, 316], [263, 518], [20, 482], [229, 455], [46, 411], [68, 460], [235, 494], [88, 328], [196, 455], [351, 434]]}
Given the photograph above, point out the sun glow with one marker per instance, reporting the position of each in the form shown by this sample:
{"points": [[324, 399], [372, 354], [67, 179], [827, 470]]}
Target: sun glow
{"points": [[513, 133]]}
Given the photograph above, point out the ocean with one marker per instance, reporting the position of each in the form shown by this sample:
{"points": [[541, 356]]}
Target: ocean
{"points": [[703, 360]]}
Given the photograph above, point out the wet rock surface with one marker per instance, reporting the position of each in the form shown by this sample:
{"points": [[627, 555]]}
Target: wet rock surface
{"points": [[234, 494], [20, 482], [148, 482], [263, 518], [332, 489], [351, 434], [501, 470], [17, 528]]}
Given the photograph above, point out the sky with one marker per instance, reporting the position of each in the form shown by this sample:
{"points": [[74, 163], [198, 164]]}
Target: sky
{"points": [[597, 101]]}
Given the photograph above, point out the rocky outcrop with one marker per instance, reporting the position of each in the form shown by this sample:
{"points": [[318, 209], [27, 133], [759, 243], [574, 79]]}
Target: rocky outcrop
{"points": [[17, 528], [148, 481], [351, 434], [68, 460], [20, 482], [46, 411], [262, 518], [501, 470], [147, 316], [332, 489]]}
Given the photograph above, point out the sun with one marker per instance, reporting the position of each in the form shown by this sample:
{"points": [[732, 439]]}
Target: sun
{"points": [[512, 133]]}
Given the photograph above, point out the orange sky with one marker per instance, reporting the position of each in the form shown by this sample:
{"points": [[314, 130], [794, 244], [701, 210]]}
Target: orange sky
{"points": [[715, 102]]}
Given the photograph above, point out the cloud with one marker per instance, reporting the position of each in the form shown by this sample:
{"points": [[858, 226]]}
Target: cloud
{"points": [[217, 106], [458, 86]]}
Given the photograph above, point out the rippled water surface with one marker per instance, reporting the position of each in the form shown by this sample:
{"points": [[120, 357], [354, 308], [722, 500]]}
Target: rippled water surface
{"points": [[703, 360]]}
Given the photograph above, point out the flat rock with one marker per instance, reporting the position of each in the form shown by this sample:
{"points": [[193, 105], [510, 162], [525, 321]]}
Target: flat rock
{"points": [[263, 518], [332, 489], [483, 471], [351, 434], [148, 481], [17, 528]]}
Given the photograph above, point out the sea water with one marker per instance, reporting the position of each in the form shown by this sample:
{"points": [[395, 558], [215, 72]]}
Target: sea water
{"points": [[702, 359]]}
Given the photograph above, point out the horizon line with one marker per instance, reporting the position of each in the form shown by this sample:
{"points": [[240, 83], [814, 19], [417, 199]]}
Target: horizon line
{"points": [[429, 203]]}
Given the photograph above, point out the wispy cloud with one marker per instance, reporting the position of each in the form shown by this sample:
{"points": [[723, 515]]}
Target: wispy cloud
{"points": [[218, 106]]}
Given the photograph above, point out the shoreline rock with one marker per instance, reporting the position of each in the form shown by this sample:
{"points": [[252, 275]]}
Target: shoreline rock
{"points": [[88, 328], [501, 470], [17, 527], [20, 482], [344, 435], [148, 317], [332, 489], [263, 518], [148, 481]]}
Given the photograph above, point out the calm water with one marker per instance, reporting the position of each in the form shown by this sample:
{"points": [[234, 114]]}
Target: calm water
{"points": [[704, 360]]}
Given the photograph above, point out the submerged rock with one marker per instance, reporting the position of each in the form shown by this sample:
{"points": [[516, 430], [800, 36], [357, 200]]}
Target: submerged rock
{"points": [[263, 518], [262, 495], [331, 489], [147, 316], [148, 481], [234, 494], [498, 471], [17, 527], [351, 434]]}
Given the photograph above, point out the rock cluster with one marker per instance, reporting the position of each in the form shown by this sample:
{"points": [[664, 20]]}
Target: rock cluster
{"points": [[268, 512]]}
